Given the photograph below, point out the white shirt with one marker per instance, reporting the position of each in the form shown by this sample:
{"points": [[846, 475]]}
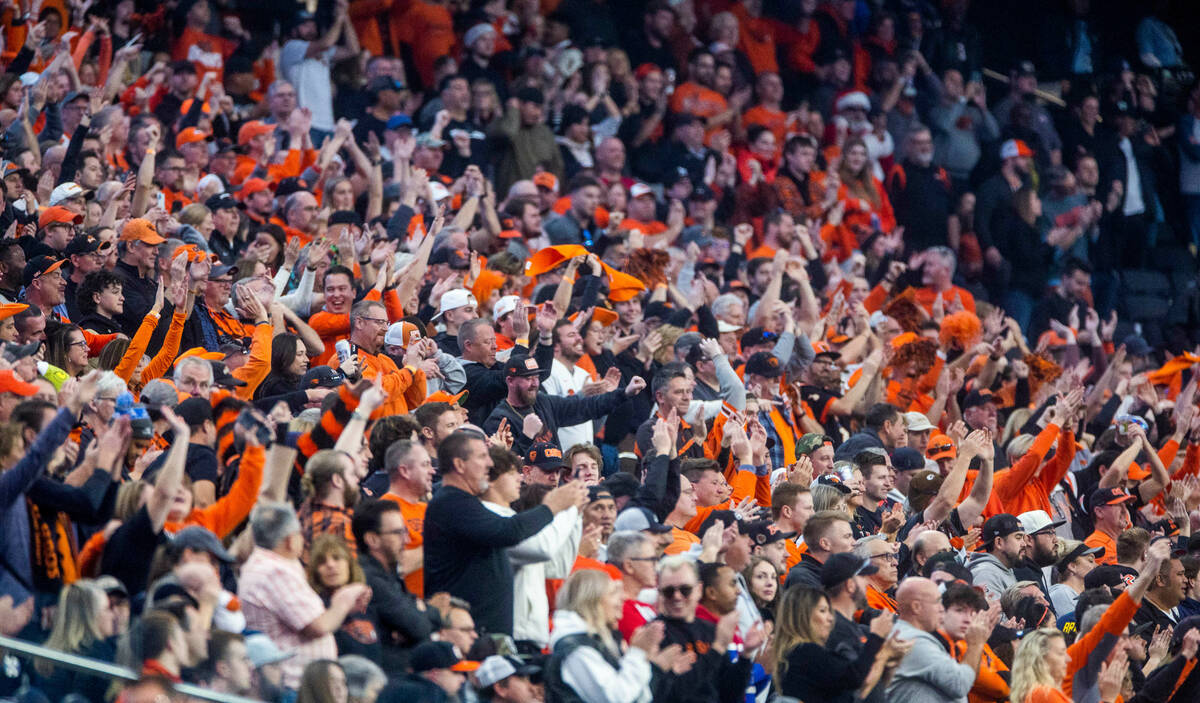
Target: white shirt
{"points": [[565, 382], [310, 76], [1134, 203]]}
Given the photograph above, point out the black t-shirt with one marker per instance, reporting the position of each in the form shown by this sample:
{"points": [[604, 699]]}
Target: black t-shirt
{"points": [[128, 551], [818, 401]]}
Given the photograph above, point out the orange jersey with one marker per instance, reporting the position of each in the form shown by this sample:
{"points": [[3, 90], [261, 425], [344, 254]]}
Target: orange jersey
{"points": [[414, 520]]}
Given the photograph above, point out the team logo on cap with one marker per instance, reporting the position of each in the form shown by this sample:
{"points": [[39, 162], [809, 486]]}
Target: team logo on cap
{"points": [[531, 364]]}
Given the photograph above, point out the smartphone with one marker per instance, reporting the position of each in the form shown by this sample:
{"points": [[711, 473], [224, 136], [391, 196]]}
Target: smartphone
{"points": [[133, 40], [252, 425]]}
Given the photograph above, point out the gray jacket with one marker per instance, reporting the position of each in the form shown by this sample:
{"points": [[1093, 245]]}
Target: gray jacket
{"points": [[987, 571], [928, 674]]}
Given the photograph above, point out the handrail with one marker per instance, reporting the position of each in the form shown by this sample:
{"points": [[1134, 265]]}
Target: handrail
{"points": [[107, 670]]}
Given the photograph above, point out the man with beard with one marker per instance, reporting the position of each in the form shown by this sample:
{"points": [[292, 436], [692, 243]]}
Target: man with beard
{"points": [[330, 509], [403, 621], [844, 578], [410, 481], [485, 377], [567, 379], [1004, 544], [535, 416], [822, 396], [1039, 556], [995, 196], [403, 388], [921, 193]]}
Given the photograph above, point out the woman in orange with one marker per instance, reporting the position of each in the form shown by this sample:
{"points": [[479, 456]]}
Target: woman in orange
{"points": [[867, 204], [1041, 664]]}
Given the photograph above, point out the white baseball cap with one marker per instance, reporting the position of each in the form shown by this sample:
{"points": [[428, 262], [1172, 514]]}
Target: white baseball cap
{"points": [[399, 333], [496, 668], [917, 422], [454, 299], [66, 191], [505, 305], [1036, 521]]}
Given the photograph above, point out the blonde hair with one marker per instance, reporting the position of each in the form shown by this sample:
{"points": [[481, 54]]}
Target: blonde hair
{"points": [[76, 621], [1029, 669], [583, 593], [193, 214], [793, 623]]}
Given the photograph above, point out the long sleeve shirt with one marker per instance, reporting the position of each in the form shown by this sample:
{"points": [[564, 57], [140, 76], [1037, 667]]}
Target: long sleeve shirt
{"points": [[465, 554]]}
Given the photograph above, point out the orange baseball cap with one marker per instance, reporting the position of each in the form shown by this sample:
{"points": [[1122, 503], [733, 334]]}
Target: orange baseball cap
{"points": [[141, 230], [191, 135], [56, 214], [444, 397], [7, 310], [252, 186], [941, 447], [252, 129], [202, 353], [9, 383], [546, 180], [508, 229]]}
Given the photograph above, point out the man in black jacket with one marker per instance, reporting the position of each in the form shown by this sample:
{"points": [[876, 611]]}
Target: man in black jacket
{"points": [[465, 542], [535, 416], [714, 677], [404, 621], [485, 378]]}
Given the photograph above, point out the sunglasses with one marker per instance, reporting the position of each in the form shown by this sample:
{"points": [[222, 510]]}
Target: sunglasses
{"points": [[937, 448], [683, 591]]}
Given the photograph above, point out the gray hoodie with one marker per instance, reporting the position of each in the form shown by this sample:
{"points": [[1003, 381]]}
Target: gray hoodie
{"points": [[927, 674], [987, 571]]}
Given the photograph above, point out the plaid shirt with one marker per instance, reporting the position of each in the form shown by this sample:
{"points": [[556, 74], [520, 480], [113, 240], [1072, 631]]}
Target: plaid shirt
{"points": [[278, 602]]}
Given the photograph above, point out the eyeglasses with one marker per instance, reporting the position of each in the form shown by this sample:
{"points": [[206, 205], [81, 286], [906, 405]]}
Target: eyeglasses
{"points": [[938, 448], [684, 591], [888, 556], [80, 343], [644, 559], [112, 399], [376, 320]]}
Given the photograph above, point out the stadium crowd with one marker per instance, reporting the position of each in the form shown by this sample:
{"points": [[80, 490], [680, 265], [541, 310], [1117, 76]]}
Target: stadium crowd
{"points": [[677, 351]]}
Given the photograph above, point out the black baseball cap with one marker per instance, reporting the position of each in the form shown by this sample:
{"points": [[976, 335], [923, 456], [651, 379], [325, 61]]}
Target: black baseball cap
{"points": [[546, 456], [757, 335], [840, 568], [728, 517], [85, 244], [764, 364], [439, 655], [1001, 525], [978, 397], [521, 365], [907, 459], [195, 411], [1080, 550], [223, 201], [835, 482], [1111, 575], [322, 377], [764, 532], [222, 377], [346, 217], [622, 485], [1108, 496]]}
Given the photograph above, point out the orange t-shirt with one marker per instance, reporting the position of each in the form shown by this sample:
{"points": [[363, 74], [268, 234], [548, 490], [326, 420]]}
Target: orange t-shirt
{"points": [[683, 541], [1047, 694], [1101, 539], [414, 520]]}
